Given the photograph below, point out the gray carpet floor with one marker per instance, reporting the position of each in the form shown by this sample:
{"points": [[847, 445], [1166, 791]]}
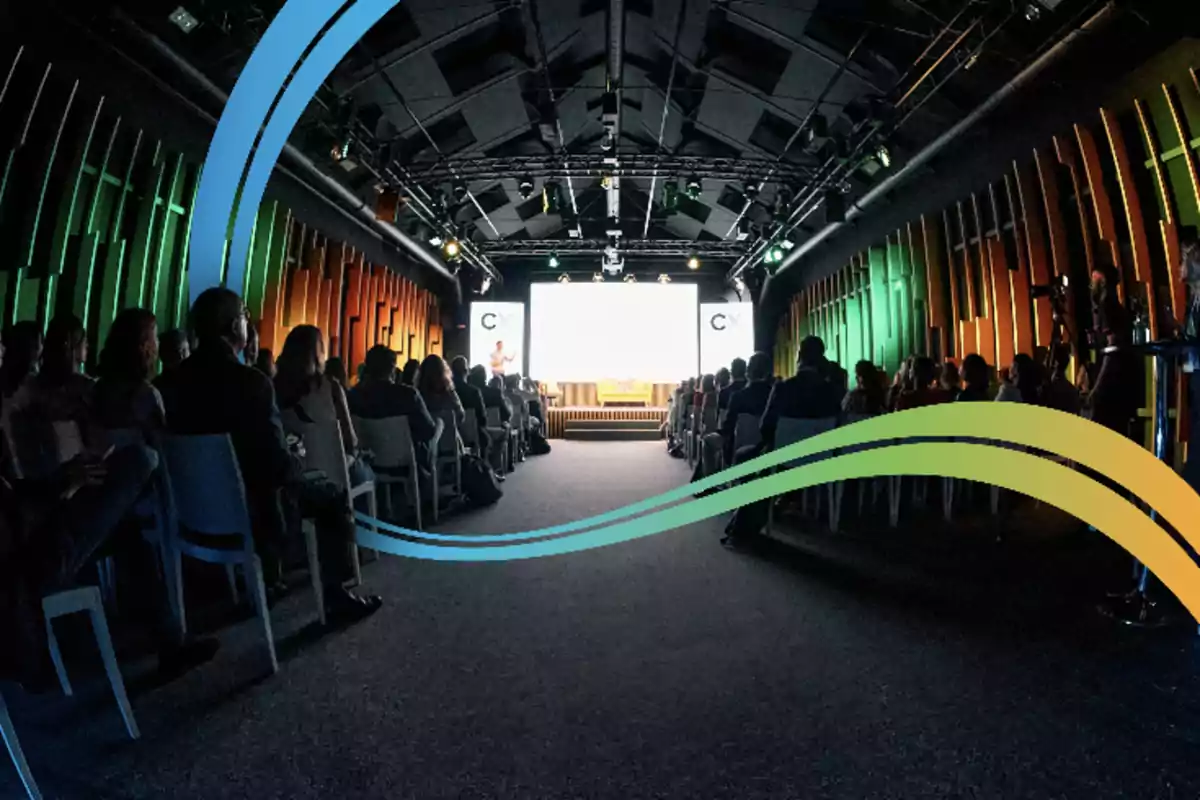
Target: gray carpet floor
{"points": [[662, 668]]}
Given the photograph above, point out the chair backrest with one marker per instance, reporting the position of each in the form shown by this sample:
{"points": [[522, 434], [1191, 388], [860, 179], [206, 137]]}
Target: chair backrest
{"points": [[206, 484], [448, 444], [721, 416], [120, 437], [746, 431], [324, 449], [470, 431], [493, 417], [790, 430], [389, 439], [708, 423]]}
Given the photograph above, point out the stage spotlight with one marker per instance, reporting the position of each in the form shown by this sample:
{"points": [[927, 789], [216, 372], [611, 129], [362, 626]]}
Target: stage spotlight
{"points": [[435, 241], [341, 149], [553, 262], [184, 19], [551, 198], [693, 262], [564, 278], [630, 278], [607, 141], [525, 187], [884, 156], [694, 187], [664, 278], [598, 278], [787, 244], [485, 286], [670, 196], [451, 249], [1033, 12], [774, 255], [460, 191]]}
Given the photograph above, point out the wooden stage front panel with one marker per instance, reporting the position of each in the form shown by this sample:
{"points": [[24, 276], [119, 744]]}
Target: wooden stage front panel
{"points": [[556, 418], [583, 395]]}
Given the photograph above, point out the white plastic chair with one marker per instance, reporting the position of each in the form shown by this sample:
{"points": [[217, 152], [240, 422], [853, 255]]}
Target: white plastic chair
{"points": [[840, 486], [469, 433], [9, 732], [789, 431], [210, 500], [73, 601], [390, 442], [501, 432], [325, 452], [446, 454]]}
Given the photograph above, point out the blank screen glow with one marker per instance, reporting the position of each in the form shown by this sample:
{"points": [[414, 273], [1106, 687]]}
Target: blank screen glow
{"points": [[587, 332]]}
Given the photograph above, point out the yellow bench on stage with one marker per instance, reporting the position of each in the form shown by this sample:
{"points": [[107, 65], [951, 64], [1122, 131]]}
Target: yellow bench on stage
{"points": [[624, 392]]}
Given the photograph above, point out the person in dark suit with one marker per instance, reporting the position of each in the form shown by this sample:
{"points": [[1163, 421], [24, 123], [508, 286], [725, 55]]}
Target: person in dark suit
{"points": [[814, 392], [378, 396], [472, 398], [752, 399], [493, 397], [737, 382], [213, 392]]}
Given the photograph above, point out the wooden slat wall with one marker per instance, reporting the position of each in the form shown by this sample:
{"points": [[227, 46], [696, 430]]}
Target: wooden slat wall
{"points": [[95, 216], [964, 275]]}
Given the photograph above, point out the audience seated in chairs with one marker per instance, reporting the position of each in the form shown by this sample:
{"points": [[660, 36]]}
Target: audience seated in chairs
{"points": [[408, 377], [173, 349], [750, 400], [212, 393], [1023, 383], [378, 396], [250, 351], [814, 392], [950, 379], [737, 382], [976, 379], [867, 396], [925, 390], [124, 397], [54, 526], [303, 389], [472, 401]]}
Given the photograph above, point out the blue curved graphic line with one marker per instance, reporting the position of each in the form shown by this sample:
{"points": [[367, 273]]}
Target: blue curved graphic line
{"points": [[260, 82], [955, 459], [321, 60]]}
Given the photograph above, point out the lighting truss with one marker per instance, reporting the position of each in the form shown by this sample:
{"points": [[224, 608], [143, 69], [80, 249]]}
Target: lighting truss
{"points": [[629, 165], [563, 248]]}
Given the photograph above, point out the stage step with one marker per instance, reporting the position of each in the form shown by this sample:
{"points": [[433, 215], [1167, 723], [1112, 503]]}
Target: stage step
{"points": [[613, 434], [612, 424]]}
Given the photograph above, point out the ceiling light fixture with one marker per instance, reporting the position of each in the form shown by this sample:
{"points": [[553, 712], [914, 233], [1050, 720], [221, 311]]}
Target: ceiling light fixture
{"points": [[664, 278], [693, 261], [694, 187], [598, 278], [884, 156], [486, 285], [553, 262], [525, 187], [564, 278], [451, 249], [184, 19]]}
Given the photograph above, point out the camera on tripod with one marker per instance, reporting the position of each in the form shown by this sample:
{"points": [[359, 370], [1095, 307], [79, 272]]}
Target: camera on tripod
{"points": [[1056, 291]]}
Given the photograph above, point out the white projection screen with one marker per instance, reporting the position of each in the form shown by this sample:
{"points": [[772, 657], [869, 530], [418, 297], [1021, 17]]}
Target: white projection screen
{"points": [[494, 325], [588, 332], [726, 333]]}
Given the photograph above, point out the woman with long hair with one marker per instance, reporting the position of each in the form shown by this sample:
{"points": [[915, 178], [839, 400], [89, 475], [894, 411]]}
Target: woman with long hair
{"points": [[408, 376], [123, 396], [300, 383], [437, 389]]}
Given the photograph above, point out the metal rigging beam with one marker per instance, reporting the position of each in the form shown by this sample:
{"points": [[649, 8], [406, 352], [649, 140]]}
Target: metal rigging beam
{"points": [[631, 165], [662, 123]]}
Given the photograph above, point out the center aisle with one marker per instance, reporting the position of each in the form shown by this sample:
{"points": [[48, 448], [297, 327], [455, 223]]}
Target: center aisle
{"points": [[666, 667]]}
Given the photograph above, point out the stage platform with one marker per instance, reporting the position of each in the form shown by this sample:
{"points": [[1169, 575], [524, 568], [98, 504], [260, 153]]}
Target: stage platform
{"points": [[593, 423]]}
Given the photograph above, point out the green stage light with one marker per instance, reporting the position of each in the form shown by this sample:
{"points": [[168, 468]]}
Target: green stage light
{"points": [[553, 262]]}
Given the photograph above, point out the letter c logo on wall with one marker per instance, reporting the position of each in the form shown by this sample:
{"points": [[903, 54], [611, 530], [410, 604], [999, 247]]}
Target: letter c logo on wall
{"points": [[713, 322], [488, 321], [233, 161]]}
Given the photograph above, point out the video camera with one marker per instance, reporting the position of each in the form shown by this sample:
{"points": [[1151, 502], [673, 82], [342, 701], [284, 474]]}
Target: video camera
{"points": [[1057, 287]]}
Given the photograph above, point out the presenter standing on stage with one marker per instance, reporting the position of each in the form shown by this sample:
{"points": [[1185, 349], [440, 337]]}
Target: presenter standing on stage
{"points": [[499, 359]]}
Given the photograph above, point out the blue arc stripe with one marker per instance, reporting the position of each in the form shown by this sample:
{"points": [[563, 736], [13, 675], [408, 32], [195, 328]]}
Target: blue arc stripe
{"points": [[321, 60], [260, 82]]}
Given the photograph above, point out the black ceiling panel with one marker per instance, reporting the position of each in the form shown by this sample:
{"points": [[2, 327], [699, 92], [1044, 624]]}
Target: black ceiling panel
{"points": [[492, 198], [732, 199], [530, 208], [395, 30], [743, 54], [772, 132], [482, 55]]}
